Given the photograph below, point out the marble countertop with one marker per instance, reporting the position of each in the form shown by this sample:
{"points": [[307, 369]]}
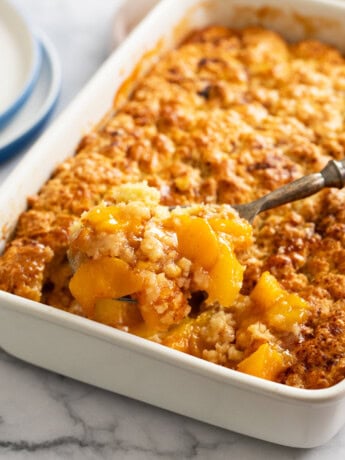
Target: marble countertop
{"points": [[46, 416]]}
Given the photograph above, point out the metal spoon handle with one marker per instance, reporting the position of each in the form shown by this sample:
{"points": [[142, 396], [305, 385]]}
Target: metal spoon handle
{"points": [[332, 175]]}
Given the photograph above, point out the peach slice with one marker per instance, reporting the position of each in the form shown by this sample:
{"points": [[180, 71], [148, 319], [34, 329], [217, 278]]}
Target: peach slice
{"points": [[239, 230], [281, 309], [266, 362], [196, 240], [287, 311], [103, 278], [267, 291], [103, 218], [116, 313], [110, 219], [178, 337], [225, 277]]}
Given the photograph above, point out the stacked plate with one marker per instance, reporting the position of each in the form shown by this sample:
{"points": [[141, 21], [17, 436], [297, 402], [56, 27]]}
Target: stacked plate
{"points": [[29, 83]]}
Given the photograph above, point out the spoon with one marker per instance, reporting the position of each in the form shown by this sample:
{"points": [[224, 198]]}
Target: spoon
{"points": [[332, 175]]}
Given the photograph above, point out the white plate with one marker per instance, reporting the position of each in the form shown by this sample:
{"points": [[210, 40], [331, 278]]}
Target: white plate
{"points": [[30, 118], [20, 61], [126, 364]]}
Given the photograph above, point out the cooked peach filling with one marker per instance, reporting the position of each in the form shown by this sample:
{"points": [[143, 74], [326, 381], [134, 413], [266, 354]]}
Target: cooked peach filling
{"points": [[159, 257], [266, 362], [172, 275], [226, 117]]}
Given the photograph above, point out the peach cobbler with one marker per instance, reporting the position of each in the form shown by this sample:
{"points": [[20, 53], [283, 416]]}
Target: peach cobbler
{"points": [[137, 230]]}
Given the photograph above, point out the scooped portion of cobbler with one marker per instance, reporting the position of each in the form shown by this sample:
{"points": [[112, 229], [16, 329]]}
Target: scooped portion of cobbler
{"points": [[172, 275], [162, 258]]}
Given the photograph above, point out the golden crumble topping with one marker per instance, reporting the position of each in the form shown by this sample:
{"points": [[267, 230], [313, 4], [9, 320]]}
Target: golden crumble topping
{"points": [[157, 256], [223, 119]]}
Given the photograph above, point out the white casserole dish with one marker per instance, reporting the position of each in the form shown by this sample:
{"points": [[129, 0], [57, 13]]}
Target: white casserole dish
{"points": [[111, 359]]}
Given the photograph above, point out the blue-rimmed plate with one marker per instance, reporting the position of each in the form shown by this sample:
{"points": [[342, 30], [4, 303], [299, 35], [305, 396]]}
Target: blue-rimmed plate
{"points": [[28, 121], [20, 61]]}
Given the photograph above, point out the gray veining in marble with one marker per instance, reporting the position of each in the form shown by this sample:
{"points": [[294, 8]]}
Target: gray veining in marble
{"points": [[44, 416]]}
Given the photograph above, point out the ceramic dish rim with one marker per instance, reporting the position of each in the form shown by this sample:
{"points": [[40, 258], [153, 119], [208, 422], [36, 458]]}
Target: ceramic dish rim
{"points": [[178, 359], [157, 351]]}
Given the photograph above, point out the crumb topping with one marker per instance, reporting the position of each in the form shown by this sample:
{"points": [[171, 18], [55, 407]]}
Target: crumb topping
{"points": [[224, 118]]}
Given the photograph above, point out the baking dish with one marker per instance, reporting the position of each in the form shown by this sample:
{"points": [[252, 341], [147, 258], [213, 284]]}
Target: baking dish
{"points": [[117, 361]]}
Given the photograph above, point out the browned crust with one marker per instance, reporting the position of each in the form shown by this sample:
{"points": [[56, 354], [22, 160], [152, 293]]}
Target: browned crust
{"points": [[227, 117]]}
